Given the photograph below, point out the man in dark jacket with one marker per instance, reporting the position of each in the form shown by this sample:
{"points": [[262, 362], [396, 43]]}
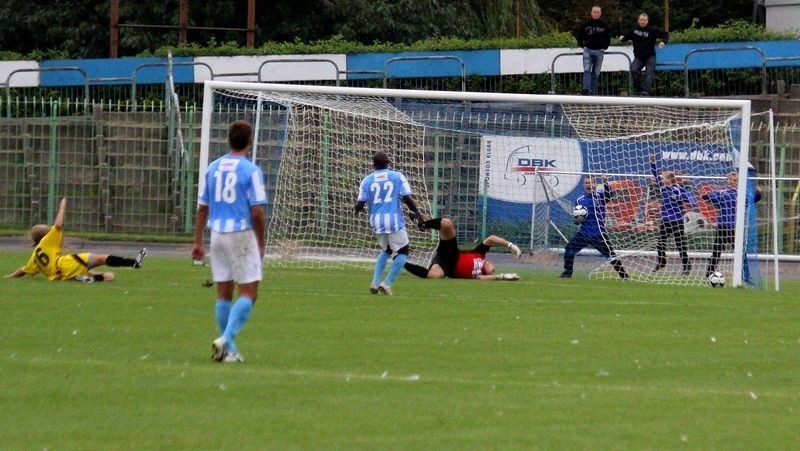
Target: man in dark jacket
{"points": [[644, 38], [594, 37]]}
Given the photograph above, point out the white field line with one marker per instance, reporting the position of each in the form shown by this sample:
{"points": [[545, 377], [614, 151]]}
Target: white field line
{"points": [[522, 300], [552, 386]]}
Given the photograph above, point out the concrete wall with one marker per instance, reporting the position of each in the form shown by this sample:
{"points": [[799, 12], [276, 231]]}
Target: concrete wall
{"points": [[783, 15]]}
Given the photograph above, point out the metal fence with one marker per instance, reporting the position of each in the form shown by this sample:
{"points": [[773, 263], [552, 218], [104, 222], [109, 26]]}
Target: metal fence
{"points": [[673, 80], [111, 160], [118, 164]]}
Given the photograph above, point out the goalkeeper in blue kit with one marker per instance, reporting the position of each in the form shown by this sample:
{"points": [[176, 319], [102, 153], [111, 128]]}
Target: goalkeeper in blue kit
{"points": [[724, 200], [592, 231], [674, 200]]}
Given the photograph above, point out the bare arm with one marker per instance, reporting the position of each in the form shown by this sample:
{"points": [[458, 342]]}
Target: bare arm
{"points": [[257, 211], [62, 207], [415, 214], [359, 207], [409, 201], [494, 240], [198, 252], [504, 276], [654, 171], [17, 273]]}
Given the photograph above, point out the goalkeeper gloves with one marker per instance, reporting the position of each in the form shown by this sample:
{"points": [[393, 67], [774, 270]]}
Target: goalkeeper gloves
{"points": [[416, 216], [506, 276], [514, 249]]}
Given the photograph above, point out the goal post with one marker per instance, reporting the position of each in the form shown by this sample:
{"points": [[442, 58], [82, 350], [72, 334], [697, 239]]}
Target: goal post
{"points": [[510, 164]]}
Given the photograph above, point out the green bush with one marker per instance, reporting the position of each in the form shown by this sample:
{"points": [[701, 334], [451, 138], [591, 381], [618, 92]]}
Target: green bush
{"points": [[736, 31]]}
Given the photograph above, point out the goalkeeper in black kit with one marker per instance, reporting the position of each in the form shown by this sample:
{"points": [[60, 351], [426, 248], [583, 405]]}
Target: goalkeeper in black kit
{"points": [[450, 261]]}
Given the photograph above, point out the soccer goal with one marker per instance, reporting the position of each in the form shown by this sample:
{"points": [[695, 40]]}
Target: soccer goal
{"points": [[506, 164]]}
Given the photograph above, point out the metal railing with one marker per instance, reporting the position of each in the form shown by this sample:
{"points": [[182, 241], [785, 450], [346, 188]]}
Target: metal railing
{"points": [[7, 83], [757, 50], [561, 55], [426, 58], [300, 60], [732, 81]]}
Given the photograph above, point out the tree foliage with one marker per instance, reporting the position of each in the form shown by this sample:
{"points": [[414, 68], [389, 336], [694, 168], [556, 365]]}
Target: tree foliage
{"points": [[621, 14], [81, 28]]}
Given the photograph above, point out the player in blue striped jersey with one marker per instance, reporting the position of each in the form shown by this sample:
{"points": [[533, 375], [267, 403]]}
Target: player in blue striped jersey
{"points": [[231, 205], [675, 200], [382, 191], [592, 231], [724, 200]]}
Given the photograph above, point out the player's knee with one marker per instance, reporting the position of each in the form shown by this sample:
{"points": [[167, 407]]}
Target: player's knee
{"points": [[447, 230], [96, 260], [435, 272]]}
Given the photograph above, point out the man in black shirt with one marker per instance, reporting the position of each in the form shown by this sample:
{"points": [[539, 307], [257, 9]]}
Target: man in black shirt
{"points": [[594, 37], [644, 38]]}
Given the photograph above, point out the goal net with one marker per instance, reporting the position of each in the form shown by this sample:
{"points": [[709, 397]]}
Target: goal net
{"points": [[670, 156], [504, 164], [314, 150]]}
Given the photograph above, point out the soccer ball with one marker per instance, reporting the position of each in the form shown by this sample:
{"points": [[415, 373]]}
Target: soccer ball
{"points": [[580, 213], [694, 222], [716, 279]]}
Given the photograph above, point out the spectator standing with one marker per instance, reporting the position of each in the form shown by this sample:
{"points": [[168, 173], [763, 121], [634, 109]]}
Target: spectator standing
{"points": [[644, 38], [594, 36]]}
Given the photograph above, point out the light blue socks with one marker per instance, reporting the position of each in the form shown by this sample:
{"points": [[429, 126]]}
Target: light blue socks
{"points": [[396, 268], [239, 313], [223, 310], [380, 264]]}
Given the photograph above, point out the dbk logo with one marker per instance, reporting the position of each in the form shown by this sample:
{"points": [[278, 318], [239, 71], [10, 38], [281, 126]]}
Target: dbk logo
{"points": [[529, 164]]}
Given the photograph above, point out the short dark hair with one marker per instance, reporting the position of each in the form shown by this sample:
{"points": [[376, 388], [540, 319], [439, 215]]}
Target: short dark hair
{"points": [[240, 135], [380, 160]]}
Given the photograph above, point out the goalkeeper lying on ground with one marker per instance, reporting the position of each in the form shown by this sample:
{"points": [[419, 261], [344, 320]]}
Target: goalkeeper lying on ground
{"points": [[47, 257], [449, 261]]}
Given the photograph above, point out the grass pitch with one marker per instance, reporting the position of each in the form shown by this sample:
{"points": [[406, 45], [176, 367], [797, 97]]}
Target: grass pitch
{"points": [[539, 363]]}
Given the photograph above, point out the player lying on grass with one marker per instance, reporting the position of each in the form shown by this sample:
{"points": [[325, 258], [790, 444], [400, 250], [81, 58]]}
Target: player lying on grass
{"points": [[450, 261], [47, 256]]}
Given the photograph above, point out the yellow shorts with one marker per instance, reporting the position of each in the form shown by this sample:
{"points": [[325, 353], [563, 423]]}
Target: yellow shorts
{"points": [[73, 265]]}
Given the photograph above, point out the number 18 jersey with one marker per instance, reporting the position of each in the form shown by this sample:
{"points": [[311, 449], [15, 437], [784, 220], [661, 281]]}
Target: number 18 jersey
{"points": [[382, 191], [233, 185]]}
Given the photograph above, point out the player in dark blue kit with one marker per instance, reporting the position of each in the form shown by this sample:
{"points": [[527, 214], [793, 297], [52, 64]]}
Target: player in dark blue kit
{"points": [[724, 200], [592, 231], [675, 199]]}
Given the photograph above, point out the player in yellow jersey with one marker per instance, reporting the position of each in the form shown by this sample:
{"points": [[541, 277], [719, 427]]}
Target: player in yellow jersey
{"points": [[47, 257]]}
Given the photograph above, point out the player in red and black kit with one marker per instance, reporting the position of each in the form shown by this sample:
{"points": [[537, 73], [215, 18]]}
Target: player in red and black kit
{"points": [[451, 262]]}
